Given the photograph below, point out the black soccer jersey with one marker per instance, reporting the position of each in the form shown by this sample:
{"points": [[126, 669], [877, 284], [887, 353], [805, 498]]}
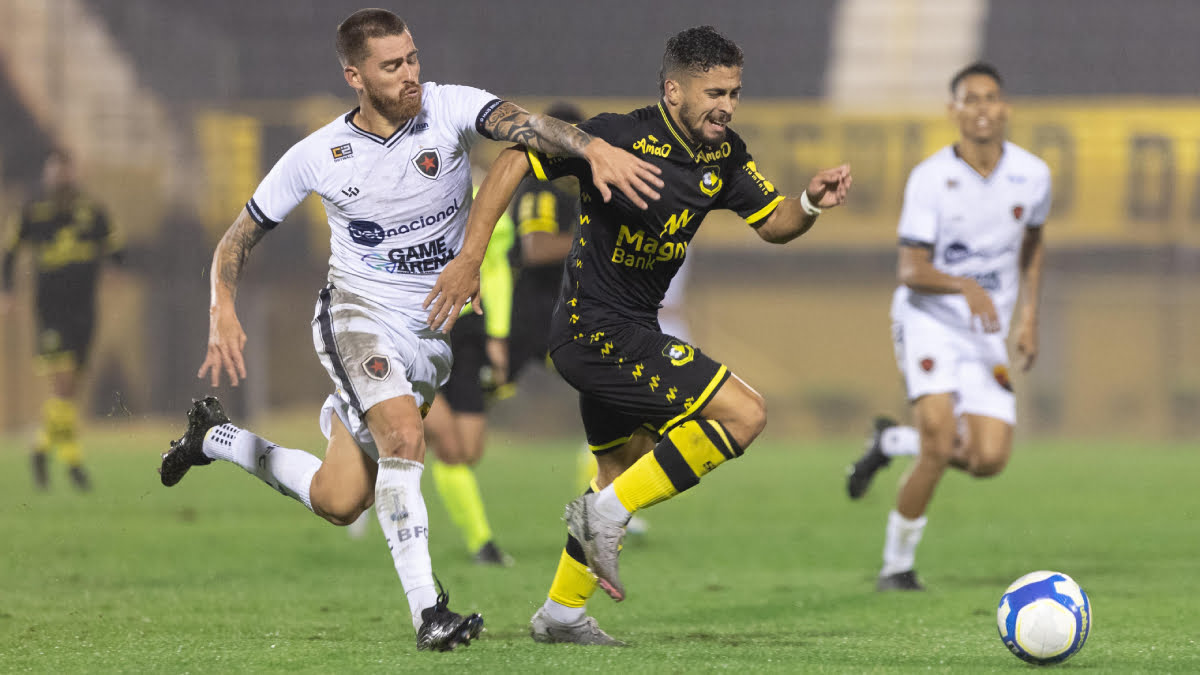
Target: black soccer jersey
{"points": [[70, 237], [624, 258]]}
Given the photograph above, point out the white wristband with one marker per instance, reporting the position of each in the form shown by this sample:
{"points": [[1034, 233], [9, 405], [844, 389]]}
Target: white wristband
{"points": [[807, 205]]}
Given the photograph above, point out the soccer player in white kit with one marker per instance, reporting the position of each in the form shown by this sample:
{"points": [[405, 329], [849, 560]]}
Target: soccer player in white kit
{"points": [[395, 177], [970, 244]]}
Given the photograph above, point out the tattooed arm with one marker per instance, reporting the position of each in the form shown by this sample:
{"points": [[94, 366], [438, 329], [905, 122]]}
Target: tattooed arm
{"points": [[226, 339], [610, 166]]}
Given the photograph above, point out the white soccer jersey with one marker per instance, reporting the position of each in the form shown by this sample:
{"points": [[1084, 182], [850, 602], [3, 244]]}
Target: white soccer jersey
{"points": [[974, 227], [397, 206]]}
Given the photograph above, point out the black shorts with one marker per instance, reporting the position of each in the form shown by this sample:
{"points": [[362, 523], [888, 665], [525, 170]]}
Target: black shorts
{"points": [[635, 377], [464, 391], [65, 333]]}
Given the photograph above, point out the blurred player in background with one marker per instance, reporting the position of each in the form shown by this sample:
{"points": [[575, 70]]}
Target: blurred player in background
{"points": [[71, 238], [658, 413], [395, 178], [970, 243]]}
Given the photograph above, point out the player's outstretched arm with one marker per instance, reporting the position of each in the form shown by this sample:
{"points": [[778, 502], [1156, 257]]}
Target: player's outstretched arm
{"points": [[226, 339], [634, 177], [1031, 284], [458, 283], [791, 219]]}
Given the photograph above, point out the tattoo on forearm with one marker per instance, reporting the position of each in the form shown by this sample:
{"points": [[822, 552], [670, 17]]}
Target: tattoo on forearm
{"points": [[232, 252], [510, 122]]}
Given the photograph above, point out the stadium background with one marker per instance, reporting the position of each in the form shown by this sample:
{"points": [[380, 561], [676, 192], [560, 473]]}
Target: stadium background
{"points": [[176, 109]]}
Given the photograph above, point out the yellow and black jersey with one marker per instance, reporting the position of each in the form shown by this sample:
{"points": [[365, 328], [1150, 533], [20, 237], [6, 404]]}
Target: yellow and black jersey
{"points": [[70, 236], [623, 259]]}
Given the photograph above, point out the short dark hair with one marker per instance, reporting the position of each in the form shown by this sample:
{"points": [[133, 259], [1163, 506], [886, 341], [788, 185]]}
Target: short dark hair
{"points": [[697, 50], [353, 33], [566, 111], [977, 68]]}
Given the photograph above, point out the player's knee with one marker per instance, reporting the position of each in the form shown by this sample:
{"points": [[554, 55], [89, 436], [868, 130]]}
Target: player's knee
{"points": [[407, 442], [988, 464], [750, 420]]}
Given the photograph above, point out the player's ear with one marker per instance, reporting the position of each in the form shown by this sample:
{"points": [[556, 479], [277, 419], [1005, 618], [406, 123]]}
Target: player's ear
{"points": [[672, 92], [352, 77]]}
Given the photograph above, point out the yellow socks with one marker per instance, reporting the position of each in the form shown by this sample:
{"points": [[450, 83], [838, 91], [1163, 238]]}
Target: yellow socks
{"points": [[681, 458], [60, 421], [456, 485], [573, 582]]}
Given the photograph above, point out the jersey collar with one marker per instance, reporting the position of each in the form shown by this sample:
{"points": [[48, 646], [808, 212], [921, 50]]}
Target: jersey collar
{"points": [[389, 141], [676, 132]]}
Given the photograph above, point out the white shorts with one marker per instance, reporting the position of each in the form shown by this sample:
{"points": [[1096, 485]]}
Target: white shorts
{"points": [[935, 359], [371, 355]]}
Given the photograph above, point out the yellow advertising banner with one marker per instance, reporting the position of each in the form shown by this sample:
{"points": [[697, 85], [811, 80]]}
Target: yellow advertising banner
{"points": [[1125, 172]]}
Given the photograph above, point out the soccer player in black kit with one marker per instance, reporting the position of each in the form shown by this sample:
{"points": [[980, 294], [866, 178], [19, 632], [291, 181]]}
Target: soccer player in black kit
{"points": [[71, 239], [658, 413]]}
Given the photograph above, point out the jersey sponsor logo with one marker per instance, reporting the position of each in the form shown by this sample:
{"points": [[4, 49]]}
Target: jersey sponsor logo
{"points": [[1016, 180], [418, 128], [366, 232], [1017, 212], [679, 353], [676, 222], [429, 256], [636, 250], [377, 367], [713, 155], [710, 181], [428, 162], [763, 184], [1002, 379], [341, 152], [648, 145], [372, 234]]}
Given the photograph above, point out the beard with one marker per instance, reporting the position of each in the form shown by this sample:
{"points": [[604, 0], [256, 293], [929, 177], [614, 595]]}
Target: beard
{"points": [[696, 127], [395, 109]]}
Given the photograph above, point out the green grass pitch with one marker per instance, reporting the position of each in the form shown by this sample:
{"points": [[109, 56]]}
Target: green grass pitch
{"points": [[766, 566]]}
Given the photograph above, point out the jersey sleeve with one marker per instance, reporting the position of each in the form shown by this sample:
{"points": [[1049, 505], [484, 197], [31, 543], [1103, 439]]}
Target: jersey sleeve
{"points": [[1041, 208], [747, 192], [918, 216], [467, 109], [611, 127], [284, 187]]}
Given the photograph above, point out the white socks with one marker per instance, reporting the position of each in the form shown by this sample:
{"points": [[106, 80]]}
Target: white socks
{"points": [[405, 523], [900, 546], [288, 471], [567, 616], [900, 441], [610, 506]]}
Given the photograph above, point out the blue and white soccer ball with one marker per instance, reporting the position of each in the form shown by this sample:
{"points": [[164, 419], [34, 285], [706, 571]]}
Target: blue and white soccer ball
{"points": [[1044, 617]]}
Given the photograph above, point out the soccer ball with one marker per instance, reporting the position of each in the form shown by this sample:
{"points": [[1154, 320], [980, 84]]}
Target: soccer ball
{"points": [[1044, 617]]}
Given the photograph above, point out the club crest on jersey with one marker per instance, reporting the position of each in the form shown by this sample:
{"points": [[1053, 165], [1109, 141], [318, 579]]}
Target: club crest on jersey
{"points": [[1001, 375], [341, 152], [428, 162], [679, 353], [927, 364], [377, 367], [1018, 211], [710, 181]]}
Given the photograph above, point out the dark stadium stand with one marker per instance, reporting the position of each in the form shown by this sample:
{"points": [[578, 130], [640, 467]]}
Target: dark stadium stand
{"points": [[231, 49], [1099, 47]]}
